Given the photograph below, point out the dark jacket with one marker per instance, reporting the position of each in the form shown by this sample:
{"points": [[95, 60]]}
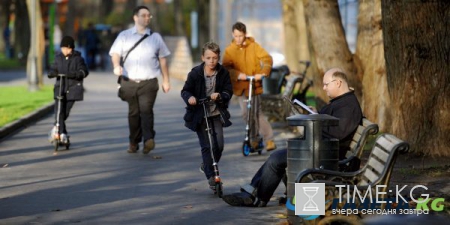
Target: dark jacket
{"points": [[75, 67], [347, 109], [195, 86]]}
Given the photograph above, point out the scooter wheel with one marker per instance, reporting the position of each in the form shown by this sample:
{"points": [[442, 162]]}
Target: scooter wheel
{"points": [[67, 145], [219, 190], [246, 149]]}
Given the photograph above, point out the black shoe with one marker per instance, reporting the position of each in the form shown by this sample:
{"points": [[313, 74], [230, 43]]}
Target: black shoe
{"points": [[133, 148], [212, 183], [239, 199], [202, 168], [260, 203], [282, 200]]}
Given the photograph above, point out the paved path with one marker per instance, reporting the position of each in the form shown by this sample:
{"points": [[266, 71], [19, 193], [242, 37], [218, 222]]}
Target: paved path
{"points": [[97, 182]]}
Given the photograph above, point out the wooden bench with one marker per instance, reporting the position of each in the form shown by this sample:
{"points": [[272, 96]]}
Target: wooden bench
{"points": [[377, 171], [272, 99], [274, 106], [353, 156]]}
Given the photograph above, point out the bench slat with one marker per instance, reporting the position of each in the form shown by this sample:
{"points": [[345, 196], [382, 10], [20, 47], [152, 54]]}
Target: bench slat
{"points": [[380, 153], [385, 143], [370, 175], [359, 130], [376, 165]]}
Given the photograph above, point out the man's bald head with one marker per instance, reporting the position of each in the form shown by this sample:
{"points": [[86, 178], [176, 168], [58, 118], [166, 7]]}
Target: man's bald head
{"points": [[335, 82]]}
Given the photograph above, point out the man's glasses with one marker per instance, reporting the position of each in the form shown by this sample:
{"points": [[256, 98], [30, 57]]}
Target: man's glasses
{"points": [[326, 84], [146, 16]]}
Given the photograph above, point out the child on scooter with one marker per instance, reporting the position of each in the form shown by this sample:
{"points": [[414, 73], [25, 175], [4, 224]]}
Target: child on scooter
{"points": [[72, 64], [209, 79]]}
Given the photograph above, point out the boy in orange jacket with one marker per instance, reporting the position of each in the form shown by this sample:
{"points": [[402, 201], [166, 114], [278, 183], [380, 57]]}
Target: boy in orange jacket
{"points": [[246, 57]]}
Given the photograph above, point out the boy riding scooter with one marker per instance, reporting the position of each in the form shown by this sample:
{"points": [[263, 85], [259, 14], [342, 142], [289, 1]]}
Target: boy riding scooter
{"points": [[207, 118], [246, 57], [70, 69]]}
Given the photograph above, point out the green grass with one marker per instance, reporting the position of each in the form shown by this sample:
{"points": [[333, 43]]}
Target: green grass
{"points": [[17, 101], [9, 63]]}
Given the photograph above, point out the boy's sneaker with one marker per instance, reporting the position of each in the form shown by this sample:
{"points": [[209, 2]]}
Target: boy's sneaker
{"points": [[212, 183], [51, 134], [202, 168], [64, 138]]}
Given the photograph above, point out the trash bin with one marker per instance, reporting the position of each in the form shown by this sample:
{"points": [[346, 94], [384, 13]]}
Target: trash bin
{"points": [[272, 84], [309, 151]]}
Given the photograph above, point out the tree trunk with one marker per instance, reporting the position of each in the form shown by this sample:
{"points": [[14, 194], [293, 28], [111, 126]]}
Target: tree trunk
{"points": [[369, 59], [177, 10], [72, 12], [416, 36], [328, 46], [203, 26], [295, 32], [21, 31], [156, 12], [106, 8]]}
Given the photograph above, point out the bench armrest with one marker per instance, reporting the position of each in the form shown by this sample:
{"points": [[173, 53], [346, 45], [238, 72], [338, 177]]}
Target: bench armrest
{"points": [[326, 175]]}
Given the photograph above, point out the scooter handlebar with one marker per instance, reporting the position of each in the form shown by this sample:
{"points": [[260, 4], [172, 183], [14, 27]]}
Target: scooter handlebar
{"points": [[204, 100], [252, 77]]}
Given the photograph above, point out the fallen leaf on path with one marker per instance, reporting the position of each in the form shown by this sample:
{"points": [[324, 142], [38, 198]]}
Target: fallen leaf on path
{"points": [[281, 216], [157, 157], [6, 165], [188, 207]]}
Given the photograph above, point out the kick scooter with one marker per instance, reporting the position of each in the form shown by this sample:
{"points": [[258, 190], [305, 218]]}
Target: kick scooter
{"points": [[218, 183], [55, 136], [247, 147]]}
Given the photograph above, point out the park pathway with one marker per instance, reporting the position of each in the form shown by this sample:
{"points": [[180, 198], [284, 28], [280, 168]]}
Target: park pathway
{"points": [[98, 182]]}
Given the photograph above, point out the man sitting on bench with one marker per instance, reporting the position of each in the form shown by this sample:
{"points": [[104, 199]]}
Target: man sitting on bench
{"points": [[343, 105]]}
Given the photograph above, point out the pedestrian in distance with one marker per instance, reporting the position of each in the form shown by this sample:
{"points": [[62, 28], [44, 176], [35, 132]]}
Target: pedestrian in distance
{"points": [[144, 60], [209, 79], [245, 57], [91, 43], [343, 105], [70, 63]]}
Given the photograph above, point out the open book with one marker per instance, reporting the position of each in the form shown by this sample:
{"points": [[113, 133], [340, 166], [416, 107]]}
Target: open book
{"points": [[305, 107]]}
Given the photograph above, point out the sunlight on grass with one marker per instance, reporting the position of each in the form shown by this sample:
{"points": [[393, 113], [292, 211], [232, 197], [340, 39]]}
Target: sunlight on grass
{"points": [[17, 101]]}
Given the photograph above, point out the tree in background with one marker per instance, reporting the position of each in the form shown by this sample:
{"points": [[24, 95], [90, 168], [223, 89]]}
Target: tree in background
{"points": [[417, 52], [294, 29], [371, 66], [328, 45], [400, 67]]}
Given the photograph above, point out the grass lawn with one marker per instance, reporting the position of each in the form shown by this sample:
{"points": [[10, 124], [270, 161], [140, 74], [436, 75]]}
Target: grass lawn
{"points": [[17, 101]]}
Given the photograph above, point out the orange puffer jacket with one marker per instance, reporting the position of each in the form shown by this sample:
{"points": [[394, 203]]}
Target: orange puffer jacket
{"points": [[249, 58]]}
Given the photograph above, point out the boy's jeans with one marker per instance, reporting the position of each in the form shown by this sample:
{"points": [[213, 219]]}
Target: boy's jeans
{"points": [[217, 138]]}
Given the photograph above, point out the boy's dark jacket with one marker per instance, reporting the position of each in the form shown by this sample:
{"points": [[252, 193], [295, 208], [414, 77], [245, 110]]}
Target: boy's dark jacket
{"points": [[75, 69], [195, 86]]}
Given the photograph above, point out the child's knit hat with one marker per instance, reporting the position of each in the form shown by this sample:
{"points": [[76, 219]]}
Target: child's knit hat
{"points": [[67, 41]]}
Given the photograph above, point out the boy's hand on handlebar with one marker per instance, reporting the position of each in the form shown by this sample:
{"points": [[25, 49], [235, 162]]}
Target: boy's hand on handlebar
{"points": [[215, 96], [259, 76], [242, 76], [192, 100]]}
